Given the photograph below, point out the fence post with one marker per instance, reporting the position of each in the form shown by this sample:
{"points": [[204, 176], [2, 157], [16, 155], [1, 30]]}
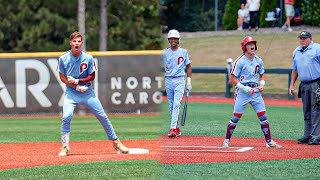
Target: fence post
{"points": [[289, 81], [227, 95]]}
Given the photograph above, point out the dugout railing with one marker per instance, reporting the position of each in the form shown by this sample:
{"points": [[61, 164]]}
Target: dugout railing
{"points": [[223, 70]]}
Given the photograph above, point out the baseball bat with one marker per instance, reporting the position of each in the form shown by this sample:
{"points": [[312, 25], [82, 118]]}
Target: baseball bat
{"points": [[184, 113]]}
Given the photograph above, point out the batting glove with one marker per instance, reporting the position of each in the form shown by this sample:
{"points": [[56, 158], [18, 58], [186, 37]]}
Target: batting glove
{"points": [[188, 86], [246, 89], [72, 80], [82, 88]]}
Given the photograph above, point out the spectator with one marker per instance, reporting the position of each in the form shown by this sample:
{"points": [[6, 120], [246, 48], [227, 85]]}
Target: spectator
{"points": [[288, 4], [254, 10], [243, 17], [243, 2]]}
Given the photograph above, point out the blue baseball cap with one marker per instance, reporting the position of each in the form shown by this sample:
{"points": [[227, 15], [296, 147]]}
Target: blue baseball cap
{"points": [[305, 34]]}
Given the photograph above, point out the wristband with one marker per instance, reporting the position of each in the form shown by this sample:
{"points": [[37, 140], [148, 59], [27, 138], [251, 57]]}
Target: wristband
{"points": [[189, 80], [262, 82], [239, 85]]}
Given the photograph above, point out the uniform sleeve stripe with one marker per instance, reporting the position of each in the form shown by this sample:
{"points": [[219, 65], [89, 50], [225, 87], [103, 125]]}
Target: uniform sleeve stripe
{"points": [[235, 63]]}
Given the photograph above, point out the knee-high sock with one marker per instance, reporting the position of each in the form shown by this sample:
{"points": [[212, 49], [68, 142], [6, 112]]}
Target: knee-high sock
{"points": [[266, 130], [264, 125], [231, 127]]}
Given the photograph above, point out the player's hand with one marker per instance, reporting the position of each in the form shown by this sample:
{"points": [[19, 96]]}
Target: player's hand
{"points": [[261, 85], [189, 86], [291, 90], [72, 80], [260, 88], [248, 90], [82, 88]]}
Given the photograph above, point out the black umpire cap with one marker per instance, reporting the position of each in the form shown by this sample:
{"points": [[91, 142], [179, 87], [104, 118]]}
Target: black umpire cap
{"points": [[305, 34]]}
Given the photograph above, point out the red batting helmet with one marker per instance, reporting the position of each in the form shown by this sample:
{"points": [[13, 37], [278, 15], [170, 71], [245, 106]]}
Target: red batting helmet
{"points": [[246, 40]]}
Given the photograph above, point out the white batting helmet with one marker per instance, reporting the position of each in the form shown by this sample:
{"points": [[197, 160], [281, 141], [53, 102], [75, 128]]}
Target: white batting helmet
{"points": [[173, 34]]}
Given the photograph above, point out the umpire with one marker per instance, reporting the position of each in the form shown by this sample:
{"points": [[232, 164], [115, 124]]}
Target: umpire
{"points": [[306, 65]]}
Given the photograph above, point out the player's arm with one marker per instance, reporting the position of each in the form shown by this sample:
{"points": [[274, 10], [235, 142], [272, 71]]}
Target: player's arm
{"points": [[64, 79], [89, 78], [262, 82], [189, 70], [294, 76], [189, 73], [236, 82]]}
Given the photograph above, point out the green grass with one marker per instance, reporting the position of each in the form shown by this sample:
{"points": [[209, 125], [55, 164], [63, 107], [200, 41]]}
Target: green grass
{"points": [[92, 170], [289, 169], [82, 128], [203, 119], [212, 119]]}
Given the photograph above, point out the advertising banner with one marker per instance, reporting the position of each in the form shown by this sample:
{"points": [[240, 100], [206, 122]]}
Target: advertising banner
{"points": [[126, 82]]}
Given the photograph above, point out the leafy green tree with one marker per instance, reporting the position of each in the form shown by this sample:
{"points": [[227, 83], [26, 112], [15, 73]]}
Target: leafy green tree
{"points": [[45, 25], [32, 25], [231, 14], [132, 25], [193, 15], [311, 12]]}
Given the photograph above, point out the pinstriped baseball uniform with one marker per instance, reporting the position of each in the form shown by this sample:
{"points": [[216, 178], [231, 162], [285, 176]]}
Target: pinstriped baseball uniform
{"points": [[247, 71], [174, 66]]}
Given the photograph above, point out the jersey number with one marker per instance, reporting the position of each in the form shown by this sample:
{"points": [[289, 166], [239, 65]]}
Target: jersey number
{"points": [[241, 78]]}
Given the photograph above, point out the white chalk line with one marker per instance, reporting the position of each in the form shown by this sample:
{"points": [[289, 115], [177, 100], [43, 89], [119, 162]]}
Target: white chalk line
{"points": [[205, 149]]}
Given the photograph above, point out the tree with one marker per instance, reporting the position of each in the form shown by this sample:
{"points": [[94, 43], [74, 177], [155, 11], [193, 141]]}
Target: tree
{"points": [[103, 32], [82, 21], [231, 14], [311, 12]]}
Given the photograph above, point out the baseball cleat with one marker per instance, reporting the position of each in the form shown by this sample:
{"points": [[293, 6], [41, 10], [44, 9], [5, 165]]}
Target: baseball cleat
{"points": [[63, 151], [117, 145], [178, 132], [273, 144], [172, 133], [226, 143]]}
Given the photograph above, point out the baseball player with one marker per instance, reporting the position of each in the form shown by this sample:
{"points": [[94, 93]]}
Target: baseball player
{"points": [[77, 70], [244, 75], [175, 60]]}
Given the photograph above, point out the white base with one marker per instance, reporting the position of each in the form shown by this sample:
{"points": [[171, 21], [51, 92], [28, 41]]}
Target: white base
{"points": [[136, 151]]}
